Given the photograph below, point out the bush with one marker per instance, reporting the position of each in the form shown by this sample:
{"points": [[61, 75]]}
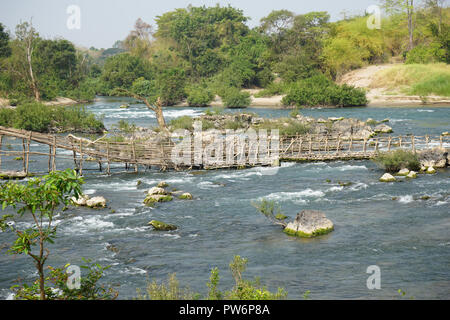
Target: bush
{"points": [[426, 54], [57, 289], [272, 90], [184, 123], [396, 160], [242, 290], [199, 97], [320, 91], [235, 98], [38, 117]]}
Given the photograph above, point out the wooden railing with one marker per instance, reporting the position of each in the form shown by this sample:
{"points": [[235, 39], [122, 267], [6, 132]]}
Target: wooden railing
{"points": [[159, 153]]}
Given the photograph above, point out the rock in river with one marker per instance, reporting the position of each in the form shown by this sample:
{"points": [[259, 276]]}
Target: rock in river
{"points": [[387, 177], [151, 199], [157, 191], [81, 201], [382, 128], [161, 226], [309, 223], [186, 196], [403, 172], [96, 202]]}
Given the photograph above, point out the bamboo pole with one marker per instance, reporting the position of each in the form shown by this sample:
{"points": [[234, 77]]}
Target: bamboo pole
{"points": [[133, 145], [23, 154], [54, 154], [108, 168], [338, 146], [28, 153], [310, 144], [81, 158], [1, 142]]}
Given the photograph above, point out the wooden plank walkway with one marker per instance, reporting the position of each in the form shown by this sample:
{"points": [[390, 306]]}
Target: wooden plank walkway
{"points": [[138, 153]]}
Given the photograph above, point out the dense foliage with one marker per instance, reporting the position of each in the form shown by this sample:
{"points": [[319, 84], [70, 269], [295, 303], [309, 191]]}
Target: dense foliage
{"points": [[38, 117], [319, 90], [196, 53], [397, 160]]}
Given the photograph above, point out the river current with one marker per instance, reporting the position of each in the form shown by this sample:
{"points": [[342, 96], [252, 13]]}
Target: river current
{"points": [[387, 225]]}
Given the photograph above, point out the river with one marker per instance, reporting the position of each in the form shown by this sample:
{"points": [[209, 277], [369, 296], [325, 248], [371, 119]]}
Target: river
{"points": [[408, 238]]}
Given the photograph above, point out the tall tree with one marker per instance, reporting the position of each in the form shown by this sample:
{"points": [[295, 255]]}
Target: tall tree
{"points": [[138, 42], [403, 6], [5, 50], [436, 7], [27, 39]]}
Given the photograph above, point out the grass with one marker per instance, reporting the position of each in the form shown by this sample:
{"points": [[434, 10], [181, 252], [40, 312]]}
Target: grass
{"points": [[415, 79]]}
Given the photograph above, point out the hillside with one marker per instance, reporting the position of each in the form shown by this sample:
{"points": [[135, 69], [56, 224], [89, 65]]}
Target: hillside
{"points": [[401, 84]]}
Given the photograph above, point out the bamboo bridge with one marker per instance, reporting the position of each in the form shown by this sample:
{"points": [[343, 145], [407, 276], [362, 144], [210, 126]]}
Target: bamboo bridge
{"points": [[146, 154]]}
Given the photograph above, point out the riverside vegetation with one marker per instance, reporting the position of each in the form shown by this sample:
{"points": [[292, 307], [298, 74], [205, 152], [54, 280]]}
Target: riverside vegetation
{"points": [[194, 55]]}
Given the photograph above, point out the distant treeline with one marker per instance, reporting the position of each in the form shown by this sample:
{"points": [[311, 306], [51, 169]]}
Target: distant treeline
{"points": [[197, 52]]}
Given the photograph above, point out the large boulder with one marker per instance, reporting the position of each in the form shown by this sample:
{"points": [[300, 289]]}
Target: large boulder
{"points": [[436, 157], [81, 201], [403, 172], [387, 177], [96, 202], [309, 223], [412, 175], [157, 191], [151, 199], [383, 128], [352, 128]]}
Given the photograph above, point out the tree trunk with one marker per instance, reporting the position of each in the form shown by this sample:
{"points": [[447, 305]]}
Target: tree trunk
{"points": [[40, 268], [410, 11], [159, 115], [37, 95]]}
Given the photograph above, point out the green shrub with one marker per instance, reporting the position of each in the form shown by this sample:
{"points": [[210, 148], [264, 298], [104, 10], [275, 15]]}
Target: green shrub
{"points": [[38, 117], [273, 89], [199, 97], [396, 160], [7, 117], [214, 111], [319, 91], [426, 54], [184, 122], [235, 98], [242, 290]]}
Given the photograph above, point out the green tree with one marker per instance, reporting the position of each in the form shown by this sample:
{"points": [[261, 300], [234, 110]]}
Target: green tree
{"points": [[138, 41], [120, 71], [5, 50], [406, 7], [39, 198], [27, 39]]}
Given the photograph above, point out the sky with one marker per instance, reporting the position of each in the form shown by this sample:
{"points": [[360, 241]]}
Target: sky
{"points": [[103, 22]]}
